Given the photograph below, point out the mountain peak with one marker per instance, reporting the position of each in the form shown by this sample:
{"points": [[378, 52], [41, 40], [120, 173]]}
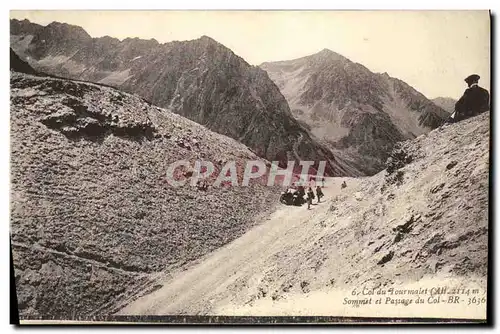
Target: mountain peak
{"points": [[207, 39], [352, 108], [66, 29], [327, 55], [326, 51]]}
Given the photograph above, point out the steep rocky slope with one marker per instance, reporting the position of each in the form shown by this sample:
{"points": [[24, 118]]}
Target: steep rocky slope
{"points": [[18, 65], [447, 103], [421, 223], [92, 215], [200, 79], [360, 113]]}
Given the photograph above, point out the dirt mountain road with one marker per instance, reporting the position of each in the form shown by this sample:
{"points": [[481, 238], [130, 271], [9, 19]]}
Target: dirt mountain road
{"points": [[211, 283], [405, 228]]}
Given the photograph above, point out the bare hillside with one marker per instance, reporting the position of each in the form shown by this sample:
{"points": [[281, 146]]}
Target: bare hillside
{"points": [[92, 215], [360, 114], [421, 222]]}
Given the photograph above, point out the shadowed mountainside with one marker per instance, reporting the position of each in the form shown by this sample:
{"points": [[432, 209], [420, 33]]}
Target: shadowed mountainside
{"points": [[18, 65], [447, 103], [199, 79], [359, 113], [93, 217]]}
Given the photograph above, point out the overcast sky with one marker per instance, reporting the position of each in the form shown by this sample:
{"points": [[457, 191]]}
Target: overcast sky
{"points": [[432, 51]]}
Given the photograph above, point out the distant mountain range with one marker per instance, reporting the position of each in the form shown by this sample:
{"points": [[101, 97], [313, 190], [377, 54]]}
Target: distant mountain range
{"points": [[200, 79], [356, 111], [447, 103], [320, 107]]}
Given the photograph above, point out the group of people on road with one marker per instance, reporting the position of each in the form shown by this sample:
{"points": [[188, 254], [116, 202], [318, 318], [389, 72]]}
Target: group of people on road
{"points": [[299, 196], [310, 196]]}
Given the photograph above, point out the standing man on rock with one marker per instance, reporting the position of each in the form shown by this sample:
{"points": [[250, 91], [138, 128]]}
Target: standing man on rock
{"points": [[474, 101], [319, 193], [310, 197]]}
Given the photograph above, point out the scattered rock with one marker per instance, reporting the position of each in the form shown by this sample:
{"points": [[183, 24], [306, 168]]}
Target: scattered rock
{"points": [[376, 250], [408, 225], [304, 285], [153, 289], [406, 252], [437, 188], [386, 258], [285, 287], [451, 165], [262, 292], [398, 237], [399, 158]]}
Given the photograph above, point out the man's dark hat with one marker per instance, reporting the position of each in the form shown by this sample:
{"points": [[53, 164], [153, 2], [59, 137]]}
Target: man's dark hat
{"points": [[472, 78]]}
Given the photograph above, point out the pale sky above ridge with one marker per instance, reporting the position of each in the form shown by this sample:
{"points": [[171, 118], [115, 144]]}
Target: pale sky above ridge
{"points": [[433, 51]]}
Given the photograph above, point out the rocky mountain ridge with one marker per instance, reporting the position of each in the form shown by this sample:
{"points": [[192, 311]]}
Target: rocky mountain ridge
{"points": [[360, 113], [447, 103], [93, 215], [200, 79]]}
